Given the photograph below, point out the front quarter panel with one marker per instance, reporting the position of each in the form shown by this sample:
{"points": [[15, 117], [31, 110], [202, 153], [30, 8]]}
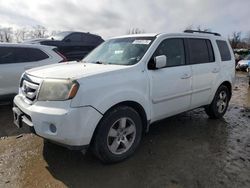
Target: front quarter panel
{"points": [[108, 89]]}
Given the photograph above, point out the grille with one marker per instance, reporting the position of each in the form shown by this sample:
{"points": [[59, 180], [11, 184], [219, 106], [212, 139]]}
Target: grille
{"points": [[29, 89]]}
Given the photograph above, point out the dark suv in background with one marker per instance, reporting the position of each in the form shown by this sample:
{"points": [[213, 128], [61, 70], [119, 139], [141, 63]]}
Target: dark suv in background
{"points": [[73, 45]]}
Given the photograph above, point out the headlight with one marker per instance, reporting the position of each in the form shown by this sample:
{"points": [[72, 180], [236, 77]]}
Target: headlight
{"points": [[57, 90]]}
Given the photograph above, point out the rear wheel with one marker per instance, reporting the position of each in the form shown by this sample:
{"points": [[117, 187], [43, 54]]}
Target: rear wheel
{"points": [[219, 105], [117, 135]]}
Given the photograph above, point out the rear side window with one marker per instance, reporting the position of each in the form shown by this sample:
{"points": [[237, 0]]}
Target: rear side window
{"points": [[224, 50], [20, 55], [36, 54], [200, 51], [173, 49]]}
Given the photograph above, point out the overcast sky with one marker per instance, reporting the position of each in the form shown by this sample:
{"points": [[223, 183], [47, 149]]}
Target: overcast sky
{"points": [[114, 17]]}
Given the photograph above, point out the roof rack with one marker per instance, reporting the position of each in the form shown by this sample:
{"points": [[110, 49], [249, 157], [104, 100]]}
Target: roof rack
{"points": [[206, 32]]}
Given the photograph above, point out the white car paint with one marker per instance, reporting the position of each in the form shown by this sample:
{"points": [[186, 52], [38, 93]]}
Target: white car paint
{"points": [[243, 64], [161, 93], [10, 73]]}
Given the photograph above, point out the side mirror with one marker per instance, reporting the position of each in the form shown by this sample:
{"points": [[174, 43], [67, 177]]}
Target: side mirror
{"points": [[160, 61]]}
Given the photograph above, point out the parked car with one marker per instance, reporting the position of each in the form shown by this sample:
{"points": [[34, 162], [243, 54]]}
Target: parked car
{"points": [[16, 59], [110, 98], [248, 70], [243, 64], [249, 79], [73, 45]]}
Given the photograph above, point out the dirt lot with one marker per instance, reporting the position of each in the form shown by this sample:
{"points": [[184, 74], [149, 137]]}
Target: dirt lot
{"points": [[188, 150]]}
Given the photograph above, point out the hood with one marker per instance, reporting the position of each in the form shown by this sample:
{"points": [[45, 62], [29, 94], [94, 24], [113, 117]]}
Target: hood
{"points": [[72, 70], [243, 62]]}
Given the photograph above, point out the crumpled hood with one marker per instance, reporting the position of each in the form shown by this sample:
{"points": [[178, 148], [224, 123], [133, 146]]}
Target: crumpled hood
{"points": [[72, 70]]}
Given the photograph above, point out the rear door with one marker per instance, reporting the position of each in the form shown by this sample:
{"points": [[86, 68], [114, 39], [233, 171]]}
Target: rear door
{"points": [[171, 85], [13, 62], [204, 67]]}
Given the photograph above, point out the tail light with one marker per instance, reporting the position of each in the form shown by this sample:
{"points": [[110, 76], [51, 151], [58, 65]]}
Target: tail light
{"points": [[61, 55]]}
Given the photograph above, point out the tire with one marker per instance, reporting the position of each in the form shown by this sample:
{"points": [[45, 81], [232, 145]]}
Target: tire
{"points": [[219, 105], [118, 134]]}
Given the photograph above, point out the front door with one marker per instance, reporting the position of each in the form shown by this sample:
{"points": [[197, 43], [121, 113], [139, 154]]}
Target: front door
{"points": [[171, 85]]}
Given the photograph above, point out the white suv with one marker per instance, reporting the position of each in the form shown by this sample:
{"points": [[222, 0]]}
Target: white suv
{"points": [[16, 58], [110, 98]]}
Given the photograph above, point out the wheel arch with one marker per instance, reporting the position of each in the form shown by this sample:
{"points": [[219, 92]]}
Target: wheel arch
{"points": [[136, 106], [226, 83], [229, 86]]}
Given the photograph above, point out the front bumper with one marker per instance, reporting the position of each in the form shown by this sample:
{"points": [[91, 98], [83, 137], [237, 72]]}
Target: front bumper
{"points": [[58, 122]]}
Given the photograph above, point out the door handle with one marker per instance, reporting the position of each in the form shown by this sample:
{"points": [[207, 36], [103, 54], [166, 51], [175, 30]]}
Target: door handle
{"points": [[215, 70], [185, 76]]}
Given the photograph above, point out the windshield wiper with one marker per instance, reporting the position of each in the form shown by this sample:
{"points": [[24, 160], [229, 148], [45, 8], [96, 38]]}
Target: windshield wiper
{"points": [[100, 62], [95, 62]]}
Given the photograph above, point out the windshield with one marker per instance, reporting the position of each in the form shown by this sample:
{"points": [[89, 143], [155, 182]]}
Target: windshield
{"points": [[121, 51], [247, 57], [59, 36]]}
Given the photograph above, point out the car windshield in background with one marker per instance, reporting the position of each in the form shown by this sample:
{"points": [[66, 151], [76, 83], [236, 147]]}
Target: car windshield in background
{"points": [[247, 57], [121, 51], [59, 36]]}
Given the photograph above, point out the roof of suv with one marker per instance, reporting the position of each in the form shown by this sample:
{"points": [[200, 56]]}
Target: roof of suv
{"points": [[24, 45], [184, 34]]}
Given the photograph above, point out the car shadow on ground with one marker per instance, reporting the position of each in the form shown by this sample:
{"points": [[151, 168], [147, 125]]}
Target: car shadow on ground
{"points": [[8, 128], [189, 142]]}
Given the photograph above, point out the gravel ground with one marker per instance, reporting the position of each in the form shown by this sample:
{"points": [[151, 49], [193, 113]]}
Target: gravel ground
{"points": [[187, 150]]}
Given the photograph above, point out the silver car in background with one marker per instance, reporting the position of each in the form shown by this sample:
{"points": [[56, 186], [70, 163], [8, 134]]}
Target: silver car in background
{"points": [[17, 58]]}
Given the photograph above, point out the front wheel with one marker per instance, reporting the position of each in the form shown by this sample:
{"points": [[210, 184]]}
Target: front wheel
{"points": [[219, 105], [117, 135]]}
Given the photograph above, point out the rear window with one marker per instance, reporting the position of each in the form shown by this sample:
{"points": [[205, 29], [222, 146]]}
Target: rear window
{"points": [[224, 50], [20, 55], [200, 51], [36, 54]]}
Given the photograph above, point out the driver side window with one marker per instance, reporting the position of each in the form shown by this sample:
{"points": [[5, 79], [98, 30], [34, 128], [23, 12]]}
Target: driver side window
{"points": [[173, 49]]}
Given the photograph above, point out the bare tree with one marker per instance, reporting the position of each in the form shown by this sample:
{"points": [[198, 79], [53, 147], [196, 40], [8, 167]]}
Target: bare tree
{"points": [[190, 27], [235, 40], [248, 39], [20, 34], [54, 32], [6, 34], [135, 31], [39, 32], [198, 28]]}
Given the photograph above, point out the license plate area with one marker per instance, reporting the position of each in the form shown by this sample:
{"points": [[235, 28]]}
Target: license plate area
{"points": [[17, 117]]}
